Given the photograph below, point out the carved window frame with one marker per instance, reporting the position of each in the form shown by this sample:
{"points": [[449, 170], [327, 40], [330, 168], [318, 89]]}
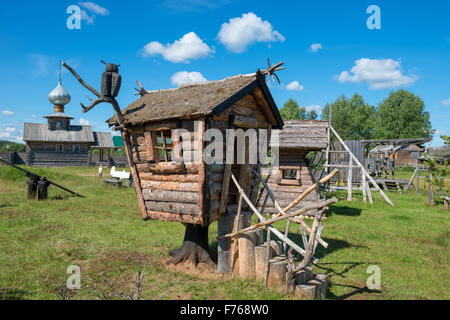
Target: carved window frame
{"points": [[290, 182]]}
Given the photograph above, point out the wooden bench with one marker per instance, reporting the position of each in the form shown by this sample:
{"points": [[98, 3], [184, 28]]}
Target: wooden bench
{"points": [[446, 200], [115, 182]]}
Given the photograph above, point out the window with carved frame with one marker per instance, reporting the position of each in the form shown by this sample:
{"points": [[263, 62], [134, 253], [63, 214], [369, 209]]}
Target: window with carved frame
{"points": [[164, 145], [290, 176]]}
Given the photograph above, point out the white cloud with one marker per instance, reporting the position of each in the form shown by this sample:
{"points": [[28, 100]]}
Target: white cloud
{"points": [[315, 47], [446, 102], [94, 8], [10, 133], [316, 108], [379, 74], [89, 19], [184, 77], [294, 86], [440, 132], [7, 113], [190, 46], [243, 31], [84, 122]]}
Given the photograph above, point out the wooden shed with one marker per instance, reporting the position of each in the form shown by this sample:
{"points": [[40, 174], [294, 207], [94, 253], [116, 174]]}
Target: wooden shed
{"points": [[195, 192], [293, 176]]}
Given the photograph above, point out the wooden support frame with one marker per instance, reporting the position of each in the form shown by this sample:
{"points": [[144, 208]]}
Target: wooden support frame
{"points": [[363, 170]]}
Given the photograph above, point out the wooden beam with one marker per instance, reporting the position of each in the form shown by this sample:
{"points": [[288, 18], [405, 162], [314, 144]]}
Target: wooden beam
{"points": [[364, 172], [134, 174]]}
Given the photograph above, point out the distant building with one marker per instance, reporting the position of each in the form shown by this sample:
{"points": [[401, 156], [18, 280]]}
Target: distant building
{"points": [[58, 143]]}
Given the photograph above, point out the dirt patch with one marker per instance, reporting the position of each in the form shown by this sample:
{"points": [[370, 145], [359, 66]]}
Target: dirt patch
{"points": [[203, 271]]}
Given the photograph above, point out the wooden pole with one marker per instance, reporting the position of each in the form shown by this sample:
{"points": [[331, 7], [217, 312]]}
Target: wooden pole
{"points": [[274, 230], [369, 193], [283, 217], [364, 172], [431, 190], [267, 266], [412, 177], [282, 212], [364, 187], [349, 178], [310, 189], [417, 181]]}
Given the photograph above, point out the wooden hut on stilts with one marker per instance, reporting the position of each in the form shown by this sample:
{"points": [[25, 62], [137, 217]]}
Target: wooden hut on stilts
{"points": [[292, 176]]}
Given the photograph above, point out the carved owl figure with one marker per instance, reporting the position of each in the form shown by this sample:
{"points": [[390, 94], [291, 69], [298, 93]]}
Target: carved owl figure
{"points": [[111, 80]]}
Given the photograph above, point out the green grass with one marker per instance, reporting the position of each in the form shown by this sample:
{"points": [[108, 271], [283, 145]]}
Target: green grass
{"points": [[104, 235]]}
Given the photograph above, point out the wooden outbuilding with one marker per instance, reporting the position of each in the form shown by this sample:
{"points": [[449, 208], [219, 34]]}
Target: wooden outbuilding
{"points": [[169, 187], [293, 176]]}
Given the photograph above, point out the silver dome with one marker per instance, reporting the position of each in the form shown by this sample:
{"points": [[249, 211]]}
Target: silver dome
{"points": [[59, 96]]}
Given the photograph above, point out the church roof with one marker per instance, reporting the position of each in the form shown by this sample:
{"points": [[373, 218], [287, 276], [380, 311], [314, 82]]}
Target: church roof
{"points": [[36, 132], [103, 140]]}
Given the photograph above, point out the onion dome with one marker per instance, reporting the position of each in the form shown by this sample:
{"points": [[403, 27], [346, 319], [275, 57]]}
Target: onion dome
{"points": [[59, 96]]}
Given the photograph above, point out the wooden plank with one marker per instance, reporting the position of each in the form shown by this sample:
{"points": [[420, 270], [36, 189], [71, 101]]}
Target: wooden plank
{"points": [[200, 131], [173, 207], [173, 168], [171, 186], [185, 178], [350, 179], [226, 181], [170, 196], [134, 174]]}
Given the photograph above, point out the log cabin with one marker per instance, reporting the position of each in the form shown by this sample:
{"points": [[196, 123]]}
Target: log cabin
{"points": [[293, 176], [193, 192]]}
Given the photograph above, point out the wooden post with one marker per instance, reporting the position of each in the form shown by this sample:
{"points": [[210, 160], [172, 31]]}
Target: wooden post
{"points": [[225, 225], [431, 190], [277, 274], [417, 181], [412, 177], [32, 189], [364, 172], [247, 253], [369, 193], [350, 178], [267, 266], [134, 174], [364, 188]]}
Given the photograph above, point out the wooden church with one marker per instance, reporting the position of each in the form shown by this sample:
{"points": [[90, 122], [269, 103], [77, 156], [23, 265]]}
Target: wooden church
{"points": [[59, 143], [193, 192]]}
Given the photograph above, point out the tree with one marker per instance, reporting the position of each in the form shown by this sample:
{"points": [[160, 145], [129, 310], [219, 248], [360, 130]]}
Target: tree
{"points": [[292, 111], [402, 115], [312, 115], [446, 139], [434, 178], [353, 118]]}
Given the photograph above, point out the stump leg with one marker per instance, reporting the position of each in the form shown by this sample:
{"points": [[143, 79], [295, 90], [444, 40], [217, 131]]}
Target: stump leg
{"points": [[32, 189], [43, 189], [195, 247]]}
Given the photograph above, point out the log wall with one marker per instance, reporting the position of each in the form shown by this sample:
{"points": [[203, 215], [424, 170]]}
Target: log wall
{"points": [[45, 155], [286, 191], [188, 191]]}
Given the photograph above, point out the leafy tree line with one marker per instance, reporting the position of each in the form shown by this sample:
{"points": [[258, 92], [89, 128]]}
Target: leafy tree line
{"points": [[11, 146], [401, 115], [292, 111]]}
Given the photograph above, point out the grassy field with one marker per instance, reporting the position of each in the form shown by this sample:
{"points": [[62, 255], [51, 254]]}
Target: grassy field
{"points": [[104, 235]]}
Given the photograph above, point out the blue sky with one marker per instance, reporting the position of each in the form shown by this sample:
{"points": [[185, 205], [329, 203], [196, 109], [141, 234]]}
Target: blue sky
{"points": [[326, 45]]}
